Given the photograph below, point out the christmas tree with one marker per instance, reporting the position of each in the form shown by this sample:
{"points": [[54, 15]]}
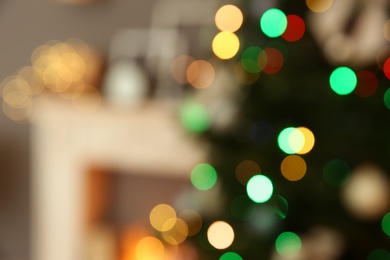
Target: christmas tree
{"points": [[303, 164]]}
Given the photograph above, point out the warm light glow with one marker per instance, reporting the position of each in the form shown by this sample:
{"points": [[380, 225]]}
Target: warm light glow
{"points": [[293, 168], [149, 248], [32, 77], [225, 45], [259, 188], [179, 68], [386, 30], [366, 193], [309, 140], [245, 170], [229, 18], [220, 235], [178, 234], [163, 217], [200, 74], [319, 6]]}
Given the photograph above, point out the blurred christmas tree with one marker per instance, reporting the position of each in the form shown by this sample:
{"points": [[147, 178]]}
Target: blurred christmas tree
{"points": [[303, 166]]}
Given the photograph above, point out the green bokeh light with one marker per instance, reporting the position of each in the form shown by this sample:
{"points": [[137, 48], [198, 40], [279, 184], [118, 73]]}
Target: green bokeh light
{"points": [[386, 98], [203, 176], [273, 23], [336, 172], [386, 224], [282, 207], [259, 188], [195, 117], [343, 80], [284, 140], [288, 243], [379, 254], [249, 59], [230, 256]]}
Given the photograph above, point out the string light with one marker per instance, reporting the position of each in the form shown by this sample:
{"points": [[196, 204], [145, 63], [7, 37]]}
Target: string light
{"points": [[273, 22], [293, 167], [343, 80], [288, 243], [225, 45], [163, 217], [295, 28], [220, 235], [259, 188], [203, 176], [229, 18]]}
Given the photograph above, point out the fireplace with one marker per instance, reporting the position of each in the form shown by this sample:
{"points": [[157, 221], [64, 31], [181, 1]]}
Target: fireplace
{"points": [[97, 175]]}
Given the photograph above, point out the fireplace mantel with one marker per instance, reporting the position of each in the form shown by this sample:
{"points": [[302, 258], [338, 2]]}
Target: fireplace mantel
{"points": [[147, 139]]}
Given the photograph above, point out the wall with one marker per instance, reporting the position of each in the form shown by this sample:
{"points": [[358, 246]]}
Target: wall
{"points": [[24, 25]]}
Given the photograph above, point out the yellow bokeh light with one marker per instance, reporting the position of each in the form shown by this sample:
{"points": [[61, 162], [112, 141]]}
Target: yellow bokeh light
{"points": [[19, 115], [225, 45], [30, 75], [296, 140], [200, 74], [193, 220], [178, 234], [229, 18], [245, 170], [60, 65], [163, 217], [179, 68], [319, 6], [309, 140], [220, 235], [293, 167], [149, 248]]}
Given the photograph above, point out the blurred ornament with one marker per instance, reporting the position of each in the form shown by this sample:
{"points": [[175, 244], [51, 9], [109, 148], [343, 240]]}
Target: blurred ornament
{"points": [[324, 243], [367, 193], [360, 46], [126, 84]]}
